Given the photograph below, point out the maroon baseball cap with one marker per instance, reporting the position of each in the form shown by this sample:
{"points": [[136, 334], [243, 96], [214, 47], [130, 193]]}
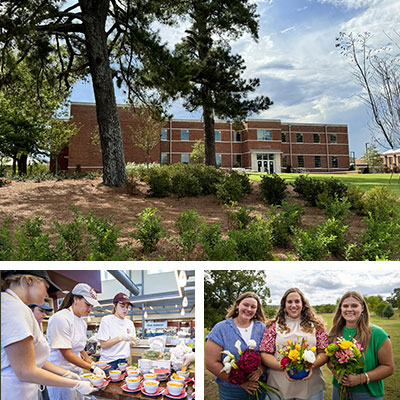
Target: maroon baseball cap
{"points": [[122, 298]]}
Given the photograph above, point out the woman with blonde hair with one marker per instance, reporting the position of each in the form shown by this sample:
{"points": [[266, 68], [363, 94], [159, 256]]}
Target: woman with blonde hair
{"points": [[294, 321], [351, 321], [244, 322], [66, 332], [24, 349]]}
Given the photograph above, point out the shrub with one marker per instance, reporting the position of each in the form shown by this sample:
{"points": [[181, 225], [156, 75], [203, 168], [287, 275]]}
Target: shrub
{"points": [[210, 237], [4, 182], [70, 242], [273, 189], [32, 243], [335, 188], [388, 311], [223, 250], [6, 243], [131, 184], [381, 204], [187, 226], [148, 230], [284, 223], [159, 182], [308, 188], [334, 207], [310, 245], [207, 176], [238, 218], [103, 238], [355, 195], [185, 184], [233, 187], [252, 243], [333, 229]]}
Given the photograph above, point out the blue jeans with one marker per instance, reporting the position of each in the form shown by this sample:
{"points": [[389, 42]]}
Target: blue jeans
{"points": [[356, 395], [316, 396], [114, 364], [237, 393]]}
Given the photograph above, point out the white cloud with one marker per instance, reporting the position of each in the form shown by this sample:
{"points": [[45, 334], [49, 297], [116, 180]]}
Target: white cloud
{"points": [[291, 28], [349, 4]]}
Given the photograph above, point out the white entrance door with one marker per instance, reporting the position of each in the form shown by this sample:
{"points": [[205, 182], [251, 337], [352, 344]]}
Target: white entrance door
{"points": [[265, 163]]}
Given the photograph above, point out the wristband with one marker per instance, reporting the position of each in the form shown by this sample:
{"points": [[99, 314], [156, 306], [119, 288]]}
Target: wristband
{"points": [[368, 379]]}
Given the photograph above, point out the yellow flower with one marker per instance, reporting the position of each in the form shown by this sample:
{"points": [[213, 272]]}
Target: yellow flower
{"points": [[313, 348], [345, 344], [293, 355], [297, 347]]}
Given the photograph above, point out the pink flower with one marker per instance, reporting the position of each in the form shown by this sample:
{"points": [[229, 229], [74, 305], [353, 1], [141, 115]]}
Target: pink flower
{"points": [[284, 362], [237, 376], [249, 361]]}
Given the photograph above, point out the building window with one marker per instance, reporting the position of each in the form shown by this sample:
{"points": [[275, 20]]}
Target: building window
{"points": [[300, 161], [164, 158], [299, 137], [237, 136], [184, 135], [237, 163], [316, 138], [217, 135], [185, 158], [263, 134], [317, 161], [164, 135], [332, 138], [218, 159], [284, 162], [283, 137], [335, 163]]}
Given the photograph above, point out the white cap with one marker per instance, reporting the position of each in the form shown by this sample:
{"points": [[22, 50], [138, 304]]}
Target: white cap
{"points": [[88, 293]]}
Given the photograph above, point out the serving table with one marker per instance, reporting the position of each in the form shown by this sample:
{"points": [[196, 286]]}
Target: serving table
{"points": [[114, 391]]}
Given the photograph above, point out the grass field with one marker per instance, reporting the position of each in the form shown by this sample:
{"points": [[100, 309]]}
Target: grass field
{"points": [[365, 181], [392, 384]]}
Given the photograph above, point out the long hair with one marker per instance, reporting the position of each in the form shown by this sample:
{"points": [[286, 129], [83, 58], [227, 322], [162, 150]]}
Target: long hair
{"points": [[259, 315], [69, 300], [309, 320], [364, 333]]}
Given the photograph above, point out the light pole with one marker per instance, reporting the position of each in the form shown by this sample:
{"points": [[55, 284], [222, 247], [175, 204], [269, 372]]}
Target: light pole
{"points": [[366, 155]]}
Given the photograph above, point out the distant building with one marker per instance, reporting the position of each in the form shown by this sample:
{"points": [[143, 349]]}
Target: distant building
{"points": [[391, 160], [264, 145]]}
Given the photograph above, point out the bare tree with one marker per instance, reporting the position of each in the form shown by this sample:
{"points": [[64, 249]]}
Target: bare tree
{"points": [[377, 70]]}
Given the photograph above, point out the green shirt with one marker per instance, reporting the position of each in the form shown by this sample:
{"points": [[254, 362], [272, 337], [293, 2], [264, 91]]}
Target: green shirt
{"points": [[370, 359]]}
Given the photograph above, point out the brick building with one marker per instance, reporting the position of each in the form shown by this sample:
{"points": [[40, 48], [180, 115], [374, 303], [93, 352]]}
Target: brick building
{"points": [[264, 145], [391, 160]]}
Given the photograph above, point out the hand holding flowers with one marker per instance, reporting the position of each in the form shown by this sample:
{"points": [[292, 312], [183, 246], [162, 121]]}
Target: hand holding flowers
{"points": [[297, 360], [345, 356], [243, 372]]}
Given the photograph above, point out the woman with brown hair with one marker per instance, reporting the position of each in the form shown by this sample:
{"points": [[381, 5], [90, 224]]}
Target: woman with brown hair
{"points": [[244, 322], [24, 349], [67, 337], [351, 321], [116, 333], [295, 320]]}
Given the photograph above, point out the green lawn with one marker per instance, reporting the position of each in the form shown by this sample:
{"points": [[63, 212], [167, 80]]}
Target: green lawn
{"points": [[365, 181], [392, 384]]}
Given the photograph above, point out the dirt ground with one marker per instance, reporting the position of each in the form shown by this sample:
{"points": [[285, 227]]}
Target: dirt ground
{"points": [[51, 200]]}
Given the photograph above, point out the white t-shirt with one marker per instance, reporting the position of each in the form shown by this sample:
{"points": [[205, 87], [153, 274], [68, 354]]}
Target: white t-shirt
{"points": [[66, 331], [110, 327], [246, 332], [18, 323]]}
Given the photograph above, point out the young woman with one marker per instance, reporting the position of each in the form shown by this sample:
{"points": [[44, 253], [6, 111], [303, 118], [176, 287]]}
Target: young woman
{"points": [[294, 321], [244, 321], [351, 320], [116, 333], [67, 337], [24, 349]]}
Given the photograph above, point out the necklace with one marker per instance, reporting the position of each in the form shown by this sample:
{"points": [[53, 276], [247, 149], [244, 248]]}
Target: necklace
{"points": [[349, 333]]}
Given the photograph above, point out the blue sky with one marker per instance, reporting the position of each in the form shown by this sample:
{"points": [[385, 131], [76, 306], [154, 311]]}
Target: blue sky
{"points": [[296, 60]]}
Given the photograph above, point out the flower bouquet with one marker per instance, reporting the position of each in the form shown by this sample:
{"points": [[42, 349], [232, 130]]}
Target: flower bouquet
{"points": [[345, 356], [297, 359], [249, 361]]}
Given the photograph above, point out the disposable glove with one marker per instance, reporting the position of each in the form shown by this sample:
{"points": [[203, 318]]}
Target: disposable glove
{"points": [[72, 375], [84, 387], [126, 337], [189, 358]]}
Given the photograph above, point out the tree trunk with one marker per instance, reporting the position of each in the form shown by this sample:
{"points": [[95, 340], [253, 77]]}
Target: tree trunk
{"points": [[22, 164], [95, 13], [209, 137]]}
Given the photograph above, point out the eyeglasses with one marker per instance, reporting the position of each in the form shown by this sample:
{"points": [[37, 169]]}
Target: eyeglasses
{"points": [[123, 305]]}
